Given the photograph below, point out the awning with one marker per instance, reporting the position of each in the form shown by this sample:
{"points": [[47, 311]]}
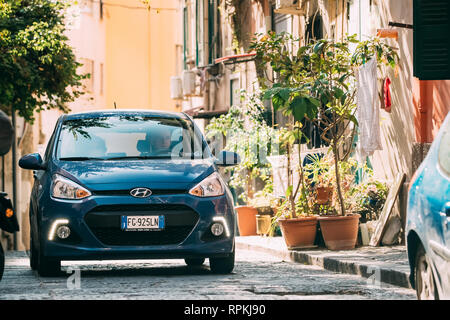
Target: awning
{"points": [[237, 58], [199, 113]]}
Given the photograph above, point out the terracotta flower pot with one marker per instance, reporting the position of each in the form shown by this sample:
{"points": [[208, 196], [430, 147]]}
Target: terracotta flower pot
{"points": [[324, 194], [246, 220], [340, 233], [263, 224], [299, 232]]}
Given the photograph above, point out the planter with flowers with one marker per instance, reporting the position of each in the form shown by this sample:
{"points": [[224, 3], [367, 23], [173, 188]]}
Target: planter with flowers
{"points": [[316, 82], [368, 199]]}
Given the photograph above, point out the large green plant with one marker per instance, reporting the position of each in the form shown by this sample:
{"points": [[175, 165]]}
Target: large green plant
{"points": [[316, 81], [246, 132], [37, 66]]}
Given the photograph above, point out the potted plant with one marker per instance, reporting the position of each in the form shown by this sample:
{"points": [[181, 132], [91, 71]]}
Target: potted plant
{"points": [[297, 222], [298, 229], [368, 198], [316, 81], [319, 178], [263, 202], [340, 232], [247, 133]]}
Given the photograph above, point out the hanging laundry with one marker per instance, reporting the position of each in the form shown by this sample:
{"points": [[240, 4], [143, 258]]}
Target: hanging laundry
{"points": [[387, 94], [367, 112]]}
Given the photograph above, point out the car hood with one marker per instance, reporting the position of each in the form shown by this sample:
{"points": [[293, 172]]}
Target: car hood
{"points": [[122, 175]]}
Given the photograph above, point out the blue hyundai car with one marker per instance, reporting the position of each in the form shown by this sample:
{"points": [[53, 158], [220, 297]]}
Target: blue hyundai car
{"points": [[129, 185], [428, 221]]}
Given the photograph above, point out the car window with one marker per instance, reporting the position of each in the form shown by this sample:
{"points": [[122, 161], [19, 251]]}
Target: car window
{"points": [[50, 144], [128, 137], [444, 150]]}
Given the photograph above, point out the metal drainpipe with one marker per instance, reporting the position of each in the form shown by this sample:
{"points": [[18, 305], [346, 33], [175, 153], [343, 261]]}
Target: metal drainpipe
{"points": [[425, 104], [206, 99], [360, 32]]}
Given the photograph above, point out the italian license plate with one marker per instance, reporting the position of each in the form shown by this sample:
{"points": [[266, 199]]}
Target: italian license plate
{"points": [[142, 223]]}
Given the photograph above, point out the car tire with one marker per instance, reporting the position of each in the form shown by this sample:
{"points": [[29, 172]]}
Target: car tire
{"points": [[222, 265], [194, 262], [424, 280], [33, 255], [47, 267], [2, 261]]}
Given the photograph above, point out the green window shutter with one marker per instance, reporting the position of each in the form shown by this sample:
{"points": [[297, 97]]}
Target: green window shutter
{"points": [[431, 39], [211, 31], [197, 30], [185, 36], [199, 33]]}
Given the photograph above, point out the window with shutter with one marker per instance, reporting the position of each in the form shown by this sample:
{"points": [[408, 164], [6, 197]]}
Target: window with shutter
{"points": [[432, 39], [185, 37], [200, 36]]}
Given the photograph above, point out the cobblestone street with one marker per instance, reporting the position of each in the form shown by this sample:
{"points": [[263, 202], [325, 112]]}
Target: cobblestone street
{"points": [[256, 276]]}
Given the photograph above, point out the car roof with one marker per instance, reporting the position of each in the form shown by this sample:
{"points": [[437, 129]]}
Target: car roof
{"points": [[124, 112]]}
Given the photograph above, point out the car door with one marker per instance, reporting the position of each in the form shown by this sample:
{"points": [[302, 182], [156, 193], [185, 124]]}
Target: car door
{"points": [[436, 207]]}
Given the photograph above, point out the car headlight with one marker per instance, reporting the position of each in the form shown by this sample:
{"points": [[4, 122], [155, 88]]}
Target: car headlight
{"points": [[64, 188], [211, 186]]}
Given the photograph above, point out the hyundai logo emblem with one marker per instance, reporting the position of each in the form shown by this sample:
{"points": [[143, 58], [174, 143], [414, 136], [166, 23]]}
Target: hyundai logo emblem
{"points": [[141, 192]]}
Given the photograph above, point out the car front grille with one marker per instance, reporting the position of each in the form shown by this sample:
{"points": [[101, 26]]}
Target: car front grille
{"points": [[117, 237], [104, 222], [155, 192]]}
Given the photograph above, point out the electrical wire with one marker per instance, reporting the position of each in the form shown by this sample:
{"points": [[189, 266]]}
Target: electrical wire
{"points": [[148, 7]]}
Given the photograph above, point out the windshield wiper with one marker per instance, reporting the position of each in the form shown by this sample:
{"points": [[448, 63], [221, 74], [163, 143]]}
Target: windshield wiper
{"points": [[80, 158]]}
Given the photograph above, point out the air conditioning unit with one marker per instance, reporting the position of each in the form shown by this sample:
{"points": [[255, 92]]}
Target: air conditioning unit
{"points": [[176, 88], [188, 82], [289, 6]]}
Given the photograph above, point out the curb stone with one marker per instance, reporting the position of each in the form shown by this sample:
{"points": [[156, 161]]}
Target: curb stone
{"points": [[387, 272]]}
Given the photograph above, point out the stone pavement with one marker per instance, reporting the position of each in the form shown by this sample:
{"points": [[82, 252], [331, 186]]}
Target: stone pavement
{"points": [[257, 276], [385, 264]]}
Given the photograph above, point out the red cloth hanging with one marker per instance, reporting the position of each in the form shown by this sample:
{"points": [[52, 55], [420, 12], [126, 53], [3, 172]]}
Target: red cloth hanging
{"points": [[387, 94]]}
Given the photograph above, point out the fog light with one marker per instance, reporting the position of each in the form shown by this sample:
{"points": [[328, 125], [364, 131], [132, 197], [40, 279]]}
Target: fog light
{"points": [[57, 223], [63, 232], [217, 229]]}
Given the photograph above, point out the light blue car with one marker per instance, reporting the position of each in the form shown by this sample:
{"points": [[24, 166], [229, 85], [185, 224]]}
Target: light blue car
{"points": [[428, 221]]}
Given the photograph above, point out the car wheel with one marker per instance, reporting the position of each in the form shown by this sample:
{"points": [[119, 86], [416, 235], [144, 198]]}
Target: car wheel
{"points": [[424, 279], [33, 255], [47, 267], [222, 265], [195, 262], [2, 261]]}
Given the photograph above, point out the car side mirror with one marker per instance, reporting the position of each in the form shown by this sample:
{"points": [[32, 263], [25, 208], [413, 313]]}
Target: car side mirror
{"points": [[227, 158], [32, 161]]}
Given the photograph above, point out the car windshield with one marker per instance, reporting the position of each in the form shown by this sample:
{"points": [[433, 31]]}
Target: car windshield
{"points": [[128, 137]]}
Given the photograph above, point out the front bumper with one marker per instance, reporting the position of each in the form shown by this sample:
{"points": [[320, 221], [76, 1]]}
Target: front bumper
{"points": [[87, 243]]}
